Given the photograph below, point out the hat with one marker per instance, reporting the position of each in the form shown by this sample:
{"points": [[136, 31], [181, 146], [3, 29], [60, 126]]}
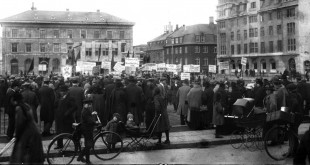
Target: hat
{"points": [[87, 101], [130, 115], [291, 87], [75, 81], [268, 87], [186, 81], [131, 79], [14, 84], [276, 80], [118, 116]]}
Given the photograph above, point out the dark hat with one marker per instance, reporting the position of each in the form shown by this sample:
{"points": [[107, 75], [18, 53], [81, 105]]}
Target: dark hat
{"points": [[14, 84], [131, 79], [63, 88], [75, 81], [268, 87], [276, 80], [259, 81], [87, 101], [291, 87], [186, 81]]}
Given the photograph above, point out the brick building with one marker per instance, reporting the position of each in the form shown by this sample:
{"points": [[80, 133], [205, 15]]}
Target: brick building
{"points": [[47, 36], [272, 34]]}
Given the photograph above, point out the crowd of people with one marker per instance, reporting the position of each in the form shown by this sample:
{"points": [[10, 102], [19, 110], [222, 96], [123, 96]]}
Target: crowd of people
{"points": [[139, 100]]}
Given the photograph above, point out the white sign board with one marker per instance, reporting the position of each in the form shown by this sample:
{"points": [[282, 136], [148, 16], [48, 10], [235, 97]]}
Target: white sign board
{"points": [[118, 67], [191, 68], [130, 69], [161, 67], [66, 71], [171, 67], [243, 61], [88, 67], [223, 65], [185, 76], [132, 62], [212, 68], [150, 67], [106, 65]]}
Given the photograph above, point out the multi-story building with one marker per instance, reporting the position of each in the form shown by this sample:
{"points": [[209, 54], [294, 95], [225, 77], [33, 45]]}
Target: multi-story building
{"points": [[47, 37], [1, 57], [194, 44], [272, 34], [139, 52]]}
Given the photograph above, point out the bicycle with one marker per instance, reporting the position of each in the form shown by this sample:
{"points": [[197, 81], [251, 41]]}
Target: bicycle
{"points": [[72, 145], [280, 142]]}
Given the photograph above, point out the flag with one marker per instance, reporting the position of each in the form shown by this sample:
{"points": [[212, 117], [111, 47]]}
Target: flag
{"points": [[128, 54], [133, 54], [31, 65], [78, 54], [99, 52]]}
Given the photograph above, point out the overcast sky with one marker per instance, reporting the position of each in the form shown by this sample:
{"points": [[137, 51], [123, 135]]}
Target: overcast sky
{"points": [[150, 16]]}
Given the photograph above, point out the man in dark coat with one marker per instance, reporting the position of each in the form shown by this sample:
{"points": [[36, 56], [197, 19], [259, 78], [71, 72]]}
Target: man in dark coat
{"points": [[207, 99], [259, 94], [47, 102], [107, 95], [135, 100], [224, 96], [118, 101], [65, 113], [31, 99], [78, 94], [3, 89]]}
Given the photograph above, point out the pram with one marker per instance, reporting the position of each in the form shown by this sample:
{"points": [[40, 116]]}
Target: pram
{"points": [[135, 138]]}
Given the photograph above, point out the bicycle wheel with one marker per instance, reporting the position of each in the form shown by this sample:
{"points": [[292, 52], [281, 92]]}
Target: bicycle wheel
{"points": [[64, 153], [108, 145], [259, 142], [236, 139], [277, 143]]}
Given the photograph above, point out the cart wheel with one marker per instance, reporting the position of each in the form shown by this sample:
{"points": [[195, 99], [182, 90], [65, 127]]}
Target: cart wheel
{"points": [[249, 140], [236, 139]]}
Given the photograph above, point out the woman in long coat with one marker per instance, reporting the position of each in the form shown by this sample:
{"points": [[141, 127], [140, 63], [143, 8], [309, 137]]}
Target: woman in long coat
{"points": [[118, 101], [28, 148], [163, 124], [218, 114]]}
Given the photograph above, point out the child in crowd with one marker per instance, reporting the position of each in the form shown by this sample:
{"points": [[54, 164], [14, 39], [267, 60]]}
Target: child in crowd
{"points": [[113, 126], [130, 123]]}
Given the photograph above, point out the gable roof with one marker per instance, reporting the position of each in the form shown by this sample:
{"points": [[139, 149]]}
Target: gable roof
{"points": [[161, 37], [195, 29], [65, 17]]}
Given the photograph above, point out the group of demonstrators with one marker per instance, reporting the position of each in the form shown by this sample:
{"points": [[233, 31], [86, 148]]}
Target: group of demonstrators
{"points": [[135, 101]]}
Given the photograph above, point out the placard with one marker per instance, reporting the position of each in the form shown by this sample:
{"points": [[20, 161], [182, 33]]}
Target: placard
{"points": [[185, 76], [171, 67], [161, 67], [66, 71], [132, 62], [212, 68], [243, 61], [106, 65], [223, 65], [150, 67], [191, 68], [118, 67]]}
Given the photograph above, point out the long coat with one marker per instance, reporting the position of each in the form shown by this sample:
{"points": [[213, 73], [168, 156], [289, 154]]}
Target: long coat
{"points": [[118, 102], [135, 100], [28, 148], [194, 99], [182, 97], [218, 114], [78, 94], [47, 101], [99, 105], [31, 99], [65, 115], [163, 122]]}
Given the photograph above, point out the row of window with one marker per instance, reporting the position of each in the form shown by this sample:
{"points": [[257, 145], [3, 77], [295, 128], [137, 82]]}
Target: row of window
{"points": [[180, 61], [291, 46], [44, 47], [56, 34], [291, 12], [179, 50]]}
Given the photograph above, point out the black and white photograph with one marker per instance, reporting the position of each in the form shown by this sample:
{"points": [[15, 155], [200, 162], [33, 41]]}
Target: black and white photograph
{"points": [[154, 82]]}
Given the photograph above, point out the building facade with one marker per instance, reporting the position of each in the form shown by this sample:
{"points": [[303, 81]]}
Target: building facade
{"points": [[139, 52], [47, 37], [272, 34]]}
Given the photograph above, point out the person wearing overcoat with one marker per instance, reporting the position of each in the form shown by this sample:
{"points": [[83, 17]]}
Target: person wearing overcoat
{"points": [[78, 94], [118, 101], [182, 99]]}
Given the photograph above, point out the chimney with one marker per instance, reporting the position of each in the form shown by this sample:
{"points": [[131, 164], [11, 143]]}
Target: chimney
{"points": [[176, 27], [211, 20], [33, 8], [67, 9], [98, 11]]}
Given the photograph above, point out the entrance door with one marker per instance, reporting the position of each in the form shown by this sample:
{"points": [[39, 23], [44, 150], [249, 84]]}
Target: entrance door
{"points": [[14, 66]]}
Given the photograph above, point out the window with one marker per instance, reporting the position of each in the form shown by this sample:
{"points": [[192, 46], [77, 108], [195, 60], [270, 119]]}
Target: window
{"points": [[245, 20], [245, 48], [262, 47], [185, 49], [280, 46], [28, 47], [176, 40], [172, 50], [223, 37], [223, 49], [272, 64], [291, 45], [238, 49], [105, 51], [205, 61], [253, 47], [88, 51], [203, 38], [185, 61], [123, 46], [279, 14], [28, 33], [271, 30], [253, 19], [270, 16], [43, 47], [270, 46], [42, 34], [56, 48], [69, 34], [109, 34], [83, 33], [232, 49], [181, 39], [205, 49], [262, 18], [56, 33], [253, 5], [232, 36], [197, 49], [14, 33], [180, 50], [97, 50], [122, 35], [279, 29], [215, 50], [238, 35], [245, 34], [290, 12], [167, 51], [251, 32], [197, 38], [255, 65], [291, 28], [14, 47], [222, 25], [197, 61], [176, 50], [232, 23], [96, 34], [256, 32], [262, 31]]}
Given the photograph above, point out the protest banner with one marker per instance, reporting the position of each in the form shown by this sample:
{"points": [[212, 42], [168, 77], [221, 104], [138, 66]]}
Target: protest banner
{"points": [[161, 67], [185, 76], [106, 65], [132, 62], [212, 68], [66, 71], [223, 65], [171, 67], [243, 61]]}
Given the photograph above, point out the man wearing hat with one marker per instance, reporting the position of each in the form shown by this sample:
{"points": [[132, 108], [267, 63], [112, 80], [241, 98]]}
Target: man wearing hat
{"points": [[47, 102], [31, 99], [78, 94], [259, 94]]}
